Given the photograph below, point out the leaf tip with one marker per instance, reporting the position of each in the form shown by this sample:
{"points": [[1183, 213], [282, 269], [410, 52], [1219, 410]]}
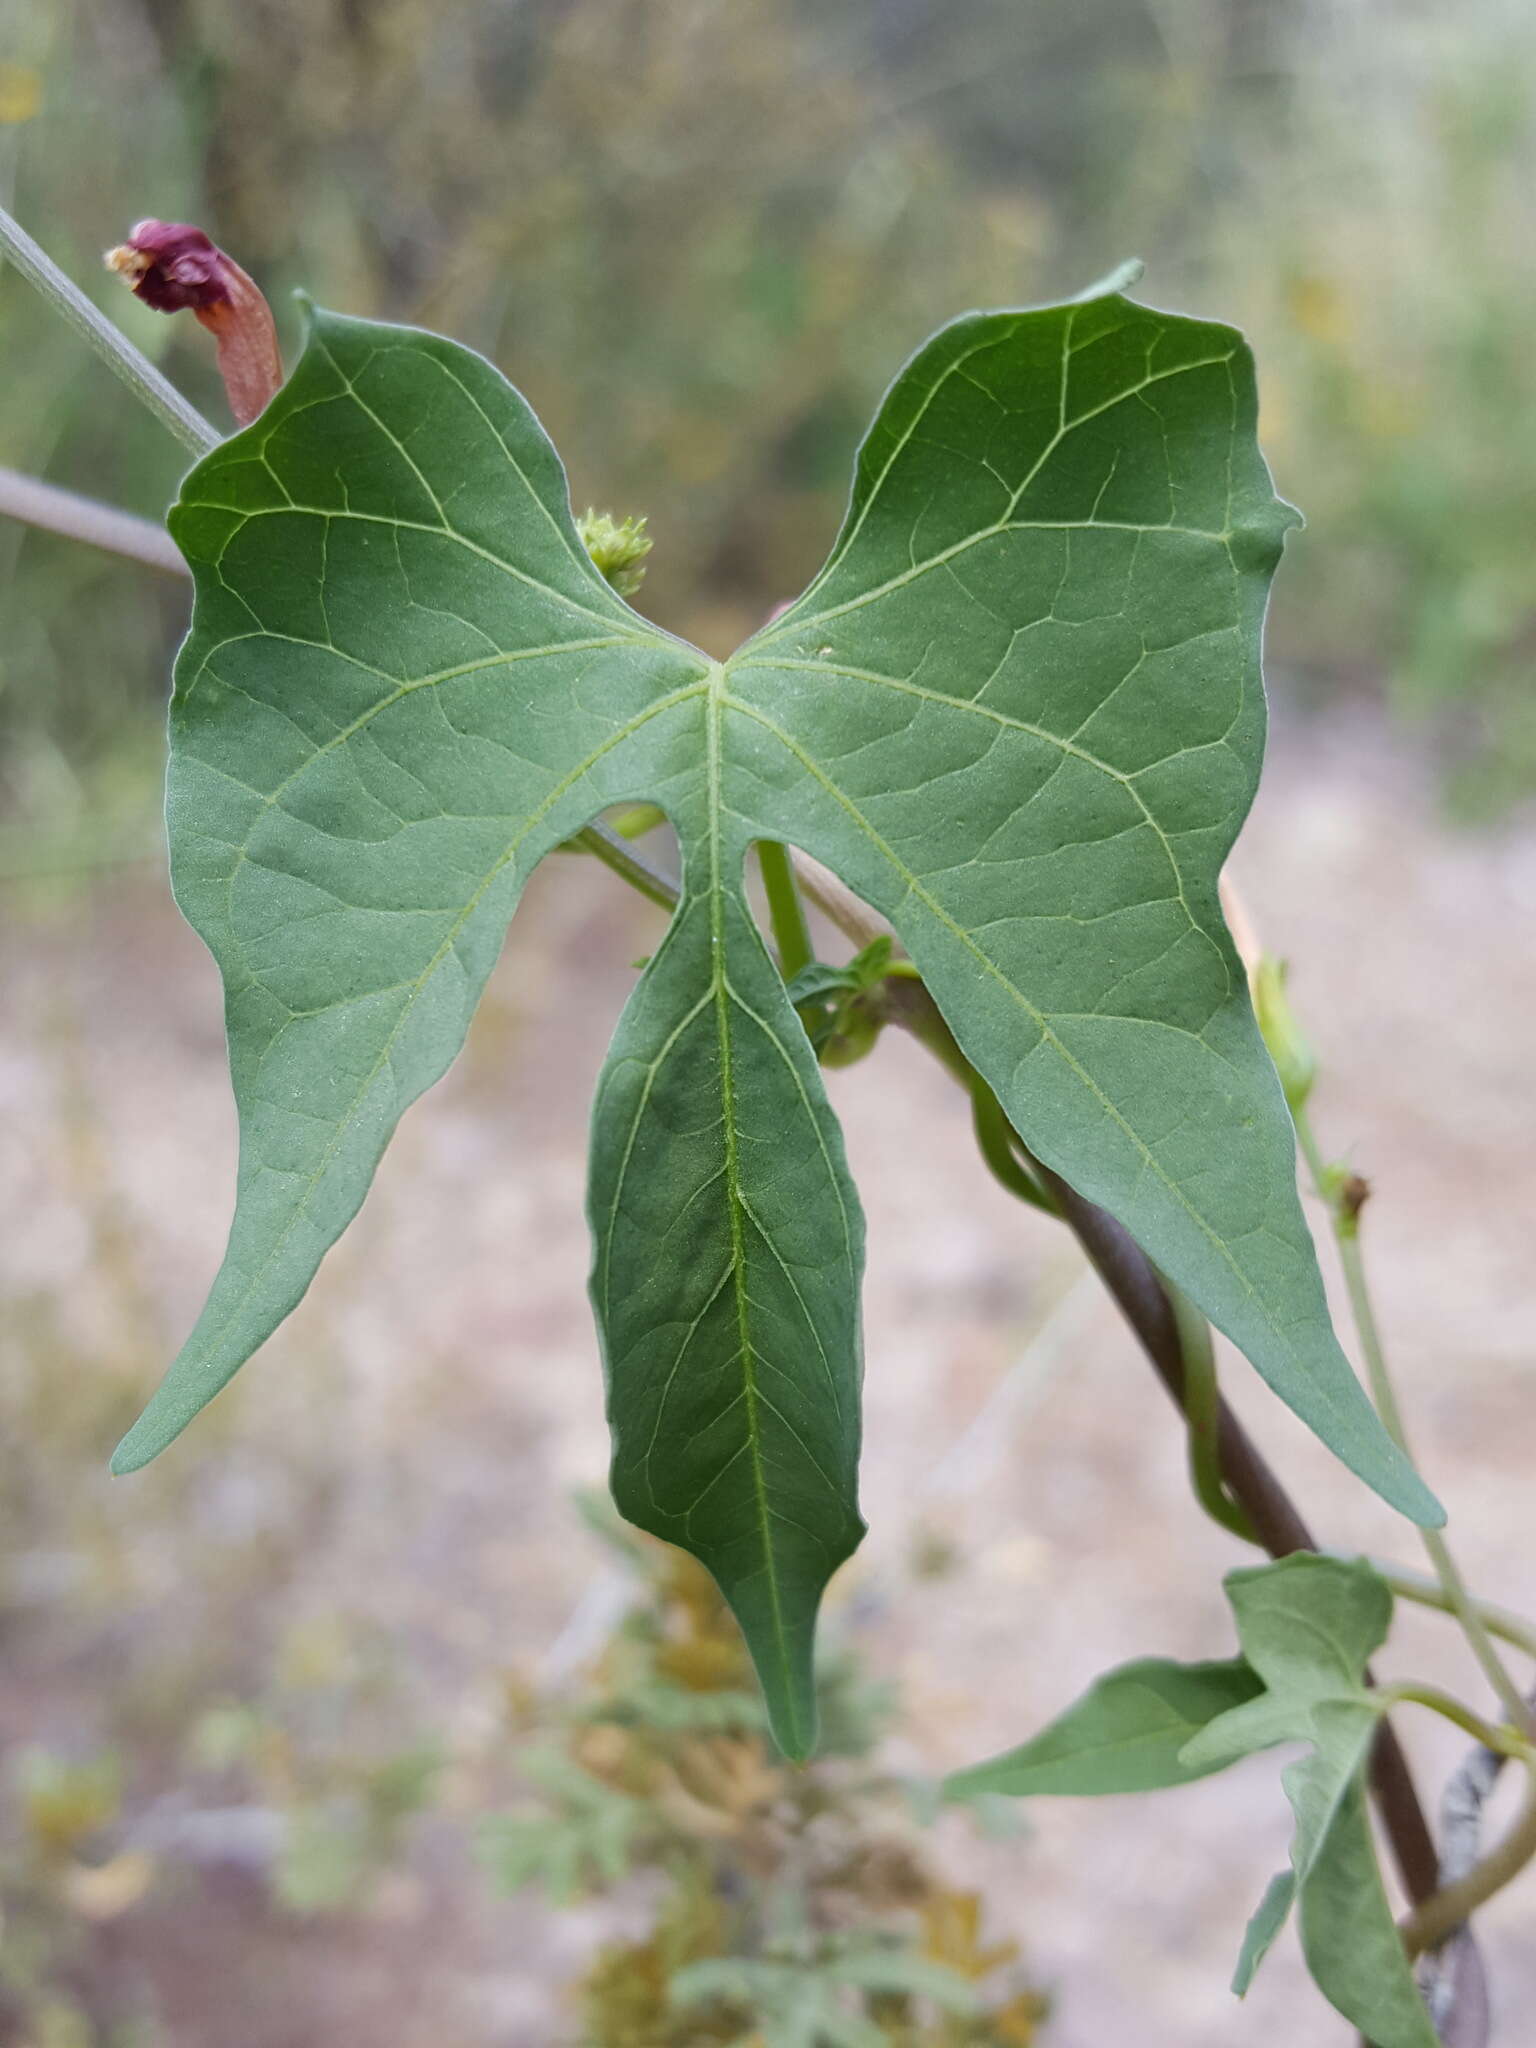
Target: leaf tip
{"points": [[792, 1722], [1400, 1487], [1435, 1517], [154, 1431], [130, 1455]]}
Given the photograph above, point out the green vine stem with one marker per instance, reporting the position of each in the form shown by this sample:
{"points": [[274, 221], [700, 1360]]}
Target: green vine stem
{"points": [[786, 912], [108, 340], [1344, 1204], [1202, 1413], [1134, 1286], [638, 820], [1427, 1592], [1137, 1290], [617, 854], [996, 1144], [1503, 1741], [1437, 1918]]}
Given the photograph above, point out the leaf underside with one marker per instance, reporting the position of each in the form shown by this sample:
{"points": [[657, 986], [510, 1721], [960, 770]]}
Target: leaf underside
{"points": [[1019, 712]]}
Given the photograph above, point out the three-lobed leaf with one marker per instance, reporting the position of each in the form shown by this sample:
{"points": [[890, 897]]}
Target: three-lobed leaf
{"points": [[1019, 712], [1308, 1625]]}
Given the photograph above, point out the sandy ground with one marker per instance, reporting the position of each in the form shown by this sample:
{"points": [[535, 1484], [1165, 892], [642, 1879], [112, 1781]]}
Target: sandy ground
{"points": [[403, 1455]]}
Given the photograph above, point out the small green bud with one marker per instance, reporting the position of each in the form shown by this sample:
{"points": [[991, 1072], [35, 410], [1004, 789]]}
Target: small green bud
{"points": [[856, 1024], [619, 550], [844, 1009], [1294, 1059]]}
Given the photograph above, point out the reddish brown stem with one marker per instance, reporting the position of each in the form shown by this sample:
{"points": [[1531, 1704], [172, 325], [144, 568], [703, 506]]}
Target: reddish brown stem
{"points": [[1132, 1280], [1128, 1274]]}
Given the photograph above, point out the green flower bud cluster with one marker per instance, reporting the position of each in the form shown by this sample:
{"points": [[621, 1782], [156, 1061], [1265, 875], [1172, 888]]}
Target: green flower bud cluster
{"points": [[618, 548]]}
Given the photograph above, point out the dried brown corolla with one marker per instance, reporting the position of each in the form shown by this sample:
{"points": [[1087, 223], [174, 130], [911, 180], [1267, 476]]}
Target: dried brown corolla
{"points": [[175, 268]]}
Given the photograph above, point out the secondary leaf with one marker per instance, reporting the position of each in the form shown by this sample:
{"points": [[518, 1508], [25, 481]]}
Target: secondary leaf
{"points": [[1019, 712], [1270, 1915], [1308, 1625], [1348, 1937], [1127, 1733]]}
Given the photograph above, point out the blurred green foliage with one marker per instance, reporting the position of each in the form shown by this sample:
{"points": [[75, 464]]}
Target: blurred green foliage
{"points": [[701, 236], [799, 1908], [790, 1907]]}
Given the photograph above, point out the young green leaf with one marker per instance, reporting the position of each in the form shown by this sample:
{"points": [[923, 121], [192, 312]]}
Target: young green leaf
{"points": [[1269, 1916], [1019, 711], [1127, 1733], [1308, 1625], [1352, 1946]]}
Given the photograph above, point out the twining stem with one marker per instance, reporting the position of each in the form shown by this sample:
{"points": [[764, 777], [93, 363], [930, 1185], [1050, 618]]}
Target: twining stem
{"points": [[615, 853], [1434, 1919], [108, 340], [1427, 1592], [1503, 1741], [786, 912], [1346, 1231], [994, 1141], [1245, 1477], [1202, 1411], [1138, 1292]]}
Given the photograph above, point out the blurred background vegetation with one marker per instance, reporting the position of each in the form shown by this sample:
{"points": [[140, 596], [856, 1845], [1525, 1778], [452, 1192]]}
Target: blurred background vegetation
{"points": [[270, 1689], [702, 236]]}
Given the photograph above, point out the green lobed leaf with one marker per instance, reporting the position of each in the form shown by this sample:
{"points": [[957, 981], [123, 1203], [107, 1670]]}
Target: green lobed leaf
{"points": [[1348, 1936], [1127, 1733], [1308, 1625], [1019, 711]]}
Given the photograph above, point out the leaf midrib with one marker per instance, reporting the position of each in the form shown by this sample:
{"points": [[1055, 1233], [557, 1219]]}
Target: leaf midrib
{"points": [[735, 1201]]}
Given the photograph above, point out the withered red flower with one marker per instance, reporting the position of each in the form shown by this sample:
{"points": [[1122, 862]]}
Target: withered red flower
{"points": [[175, 268]]}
